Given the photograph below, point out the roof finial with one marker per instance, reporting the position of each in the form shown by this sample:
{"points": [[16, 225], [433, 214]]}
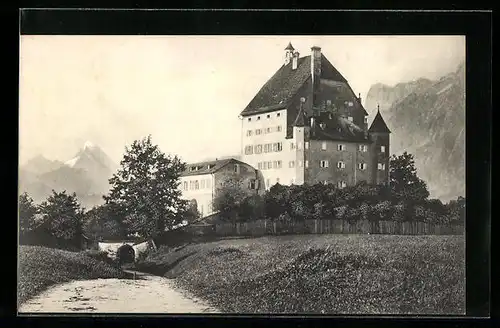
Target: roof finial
{"points": [[378, 108]]}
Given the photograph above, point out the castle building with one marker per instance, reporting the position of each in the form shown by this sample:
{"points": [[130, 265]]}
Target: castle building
{"points": [[201, 181], [306, 125]]}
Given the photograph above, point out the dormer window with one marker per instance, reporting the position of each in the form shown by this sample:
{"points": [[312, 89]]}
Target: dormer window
{"points": [[366, 120], [210, 166], [350, 104], [322, 125]]}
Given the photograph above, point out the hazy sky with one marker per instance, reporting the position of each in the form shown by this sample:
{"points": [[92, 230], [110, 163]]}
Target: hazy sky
{"points": [[186, 91]]}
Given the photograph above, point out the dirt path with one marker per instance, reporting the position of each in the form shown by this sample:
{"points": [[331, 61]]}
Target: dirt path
{"points": [[149, 294]]}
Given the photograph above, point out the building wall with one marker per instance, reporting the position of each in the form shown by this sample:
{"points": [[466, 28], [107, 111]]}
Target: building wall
{"points": [[351, 156], [279, 170], [208, 184], [379, 140], [203, 194]]}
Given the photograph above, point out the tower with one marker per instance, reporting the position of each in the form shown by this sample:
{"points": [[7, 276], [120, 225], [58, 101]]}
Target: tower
{"points": [[289, 50], [380, 136], [300, 139]]}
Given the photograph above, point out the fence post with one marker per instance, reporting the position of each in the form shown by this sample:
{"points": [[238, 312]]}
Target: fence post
{"points": [[274, 227], [316, 226], [265, 226]]}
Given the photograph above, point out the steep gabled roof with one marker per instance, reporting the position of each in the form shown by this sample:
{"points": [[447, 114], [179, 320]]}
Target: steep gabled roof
{"points": [[378, 124], [279, 90], [208, 167], [336, 127]]}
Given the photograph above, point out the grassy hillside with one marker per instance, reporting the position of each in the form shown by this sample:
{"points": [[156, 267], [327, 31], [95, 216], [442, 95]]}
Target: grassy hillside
{"points": [[41, 267], [346, 274]]}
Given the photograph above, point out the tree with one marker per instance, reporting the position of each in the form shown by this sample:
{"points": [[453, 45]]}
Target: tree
{"points": [[27, 213], [145, 189], [404, 182], [101, 223], [456, 210], [277, 200], [229, 198], [62, 218]]}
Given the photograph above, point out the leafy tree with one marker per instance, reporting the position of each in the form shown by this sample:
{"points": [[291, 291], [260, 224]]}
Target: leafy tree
{"points": [[456, 210], [27, 213], [277, 200], [192, 213], [404, 182], [101, 223], [229, 198], [145, 189], [62, 218], [252, 208]]}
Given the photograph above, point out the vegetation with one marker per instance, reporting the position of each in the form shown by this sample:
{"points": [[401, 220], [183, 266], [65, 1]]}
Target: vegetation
{"points": [[338, 274], [145, 189], [41, 267]]}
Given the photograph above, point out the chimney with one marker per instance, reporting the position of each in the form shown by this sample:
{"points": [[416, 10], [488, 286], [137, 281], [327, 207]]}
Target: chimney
{"points": [[359, 98], [295, 60], [315, 74]]}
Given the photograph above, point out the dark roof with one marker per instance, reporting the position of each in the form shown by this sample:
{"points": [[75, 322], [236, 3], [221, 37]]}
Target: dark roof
{"points": [[378, 124], [279, 90], [208, 167], [337, 127], [289, 46]]}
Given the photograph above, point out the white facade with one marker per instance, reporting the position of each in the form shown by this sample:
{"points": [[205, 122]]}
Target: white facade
{"points": [[200, 188], [265, 147]]}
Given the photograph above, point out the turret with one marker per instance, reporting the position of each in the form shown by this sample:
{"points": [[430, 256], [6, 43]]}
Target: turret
{"points": [[380, 136]]}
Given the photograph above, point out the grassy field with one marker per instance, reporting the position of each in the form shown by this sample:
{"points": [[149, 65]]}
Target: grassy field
{"points": [[41, 267], [330, 274]]}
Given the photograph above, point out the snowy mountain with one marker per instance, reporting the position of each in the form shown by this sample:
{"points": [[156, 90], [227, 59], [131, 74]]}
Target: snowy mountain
{"points": [[86, 174], [427, 119]]}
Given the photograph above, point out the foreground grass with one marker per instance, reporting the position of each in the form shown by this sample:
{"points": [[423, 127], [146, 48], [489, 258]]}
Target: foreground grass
{"points": [[341, 274], [41, 267]]}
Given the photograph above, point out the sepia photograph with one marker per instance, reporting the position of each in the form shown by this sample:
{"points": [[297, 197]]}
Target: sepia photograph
{"points": [[242, 174]]}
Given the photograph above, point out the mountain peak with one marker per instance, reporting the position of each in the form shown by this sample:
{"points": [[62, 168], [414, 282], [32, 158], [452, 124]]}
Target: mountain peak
{"points": [[88, 145]]}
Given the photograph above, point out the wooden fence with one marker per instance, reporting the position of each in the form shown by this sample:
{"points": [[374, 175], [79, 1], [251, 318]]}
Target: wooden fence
{"points": [[267, 227]]}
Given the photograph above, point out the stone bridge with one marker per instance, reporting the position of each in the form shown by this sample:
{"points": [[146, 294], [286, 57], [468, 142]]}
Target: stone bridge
{"points": [[112, 247]]}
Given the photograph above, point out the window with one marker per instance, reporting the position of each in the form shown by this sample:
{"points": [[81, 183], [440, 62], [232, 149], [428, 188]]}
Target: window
{"points": [[381, 166], [307, 163], [266, 148], [268, 130], [252, 184], [258, 131], [278, 128], [366, 120], [258, 149], [258, 118], [292, 146], [362, 166], [249, 133], [363, 148], [323, 145], [340, 165], [323, 163], [278, 115], [264, 165], [350, 118], [249, 119], [185, 185], [300, 163], [341, 184], [299, 145], [277, 146], [350, 104], [306, 145], [210, 166], [259, 165], [248, 150], [279, 164], [340, 147], [291, 164], [191, 185], [203, 184], [268, 116], [270, 165], [236, 168], [196, 185], [382, 149]]}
